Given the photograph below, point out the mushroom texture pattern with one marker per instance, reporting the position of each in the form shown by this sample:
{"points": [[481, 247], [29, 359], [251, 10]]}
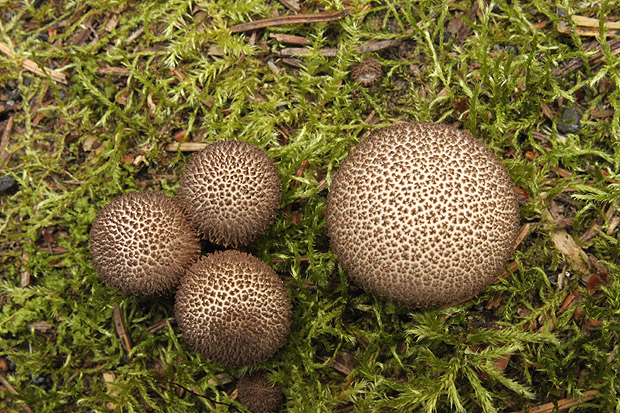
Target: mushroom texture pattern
{"points": [[233, 308], [142, 243], [258, 394], [422, 214], [232, 191]]}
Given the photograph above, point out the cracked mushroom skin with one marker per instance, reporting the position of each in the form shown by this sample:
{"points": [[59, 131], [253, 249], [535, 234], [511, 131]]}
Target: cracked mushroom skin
{"points": [[422, 214], [232, 191], [142, 243], [232, 308]]}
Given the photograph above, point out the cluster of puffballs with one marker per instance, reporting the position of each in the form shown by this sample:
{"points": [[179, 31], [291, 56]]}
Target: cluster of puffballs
{"points": [[420, 214], [230, 306]]}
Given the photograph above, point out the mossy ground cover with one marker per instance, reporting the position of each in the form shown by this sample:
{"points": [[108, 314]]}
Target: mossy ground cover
{"points": [[135, 79]]}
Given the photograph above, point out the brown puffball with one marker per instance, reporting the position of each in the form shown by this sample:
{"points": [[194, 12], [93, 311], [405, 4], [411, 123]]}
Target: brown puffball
{"points": [[142, 242], [232, 191], [258, 394], [366, 72], [422, 214], [233, 308]]}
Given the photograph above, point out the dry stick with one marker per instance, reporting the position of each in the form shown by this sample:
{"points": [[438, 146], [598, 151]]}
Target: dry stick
{"points": [[31, 66], [185, 146], [375, 46], [597, 58], [300, 51], [12, 390], [563, 404], [587, 26], [121, 330], [290, 39], [195, 393], [325, 16], [4, 142], [331, 52]]}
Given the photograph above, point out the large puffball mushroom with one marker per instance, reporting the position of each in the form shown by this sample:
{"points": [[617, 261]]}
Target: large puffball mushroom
{"points": [[258, 394], [233, 308], [422, 214], [232, 191], [142, 243]]}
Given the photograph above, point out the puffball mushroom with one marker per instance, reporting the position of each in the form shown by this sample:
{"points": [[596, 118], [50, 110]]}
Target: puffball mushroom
{"points": [[233, 308], [232, 190], [422, 214], [258, 394], [142, 242]]}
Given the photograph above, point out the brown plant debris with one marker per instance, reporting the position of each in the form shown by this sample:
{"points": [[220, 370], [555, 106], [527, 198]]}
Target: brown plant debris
{"points": [[325, 16], [31, 66]]}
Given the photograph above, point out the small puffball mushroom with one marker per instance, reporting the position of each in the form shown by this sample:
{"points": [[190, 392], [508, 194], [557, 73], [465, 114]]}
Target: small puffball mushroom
{"points": [[232, 191], [233, 308], [258, 394], [142, 242], [422, 214]]}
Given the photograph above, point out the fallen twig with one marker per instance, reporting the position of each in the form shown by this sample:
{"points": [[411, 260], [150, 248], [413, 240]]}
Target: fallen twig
{"points": [[333, 51], [12, 390], [290, 39], [587, 26], [185, 146], [4, 142], [31, 66], [563, 404], [121, 330], [596, 59], [301, 51], [325, 16], [376, 46]]}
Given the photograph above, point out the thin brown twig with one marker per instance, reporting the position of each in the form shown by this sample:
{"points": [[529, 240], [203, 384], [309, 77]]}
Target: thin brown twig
{"points": [[587, 26], [4, 142], [31, 66], [563, 404], [290, 39], [121, 329], [185, 146], [596, 59], [376, 46], [301, 51], [12, 390], [333, 51], [325, 16]]}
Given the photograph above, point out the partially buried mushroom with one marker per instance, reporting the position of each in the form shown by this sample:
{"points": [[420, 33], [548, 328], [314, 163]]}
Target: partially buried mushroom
{"points": [[232, 191], [258, 394], [142, 243], [233, 308], [422, 214]]}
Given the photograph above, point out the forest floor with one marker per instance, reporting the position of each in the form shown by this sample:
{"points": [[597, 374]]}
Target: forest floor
{"points": [[99, 98]]}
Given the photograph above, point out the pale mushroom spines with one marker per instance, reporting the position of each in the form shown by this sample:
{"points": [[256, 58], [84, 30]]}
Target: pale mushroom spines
{"points": [[233, 308], [142, 242], [232, 191], [422, 214]]}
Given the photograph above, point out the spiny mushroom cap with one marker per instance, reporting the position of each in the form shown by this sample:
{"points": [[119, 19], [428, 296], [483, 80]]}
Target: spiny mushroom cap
{"points": [[422, 214], [258, 394], [232, 191], [142, 243], [233, 308]]}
